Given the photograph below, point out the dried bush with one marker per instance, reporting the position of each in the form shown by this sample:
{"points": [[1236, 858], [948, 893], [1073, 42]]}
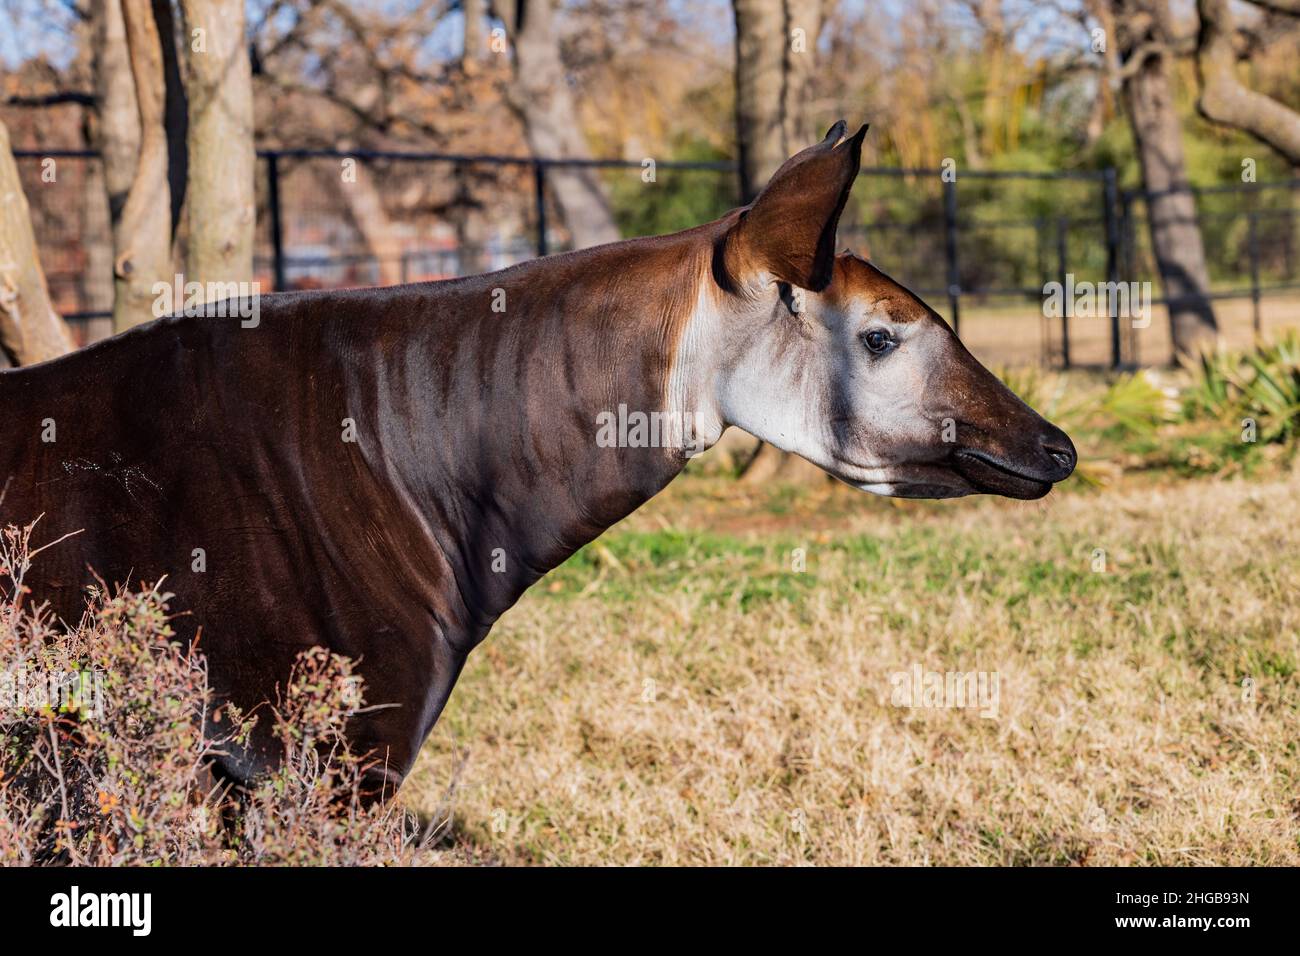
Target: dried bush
{"points": [[103, 758]]}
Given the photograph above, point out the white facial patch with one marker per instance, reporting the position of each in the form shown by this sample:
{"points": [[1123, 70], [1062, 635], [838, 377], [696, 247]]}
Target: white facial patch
{"points": [[811, 388], [688, 392]]}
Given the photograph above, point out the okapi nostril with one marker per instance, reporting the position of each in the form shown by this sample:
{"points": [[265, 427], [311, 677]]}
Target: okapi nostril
{"points": [[1061, 450]]}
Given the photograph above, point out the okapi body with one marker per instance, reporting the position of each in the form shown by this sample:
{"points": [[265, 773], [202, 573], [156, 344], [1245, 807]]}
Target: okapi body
{"points": [[383, 472]]}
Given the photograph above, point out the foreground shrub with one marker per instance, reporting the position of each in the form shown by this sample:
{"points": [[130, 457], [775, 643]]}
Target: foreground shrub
{"points": [[103, 759]]}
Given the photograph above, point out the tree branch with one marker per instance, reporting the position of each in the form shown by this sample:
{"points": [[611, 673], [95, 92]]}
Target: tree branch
{"points": [[1225, 100], [1289, 7], [53, 99]]}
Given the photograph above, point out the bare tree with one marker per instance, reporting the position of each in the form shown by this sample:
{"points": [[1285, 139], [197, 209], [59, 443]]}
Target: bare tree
{"points": [[474, 47], [366, 206], [776, 46], [540, 96], [145, 228], [176, 114], [118, 126], [221, 205], [776, 49], [30, 330], [464, 210], [113, 130], [1224, 99], [1144, 41], [96, 280]]}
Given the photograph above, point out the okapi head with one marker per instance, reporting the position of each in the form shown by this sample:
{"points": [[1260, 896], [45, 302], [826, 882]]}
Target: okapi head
{"points": [[825, 356]]}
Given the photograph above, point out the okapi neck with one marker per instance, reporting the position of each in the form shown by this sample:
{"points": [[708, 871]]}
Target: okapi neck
{"points": [[493, 407]]}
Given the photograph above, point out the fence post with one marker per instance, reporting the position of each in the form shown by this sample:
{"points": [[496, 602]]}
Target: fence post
{"points": [[1040, 274], [539, 190], [1062, 258], [1126, 237], [950, 252], [277, 227], [1110, 194], [1252, 246]]}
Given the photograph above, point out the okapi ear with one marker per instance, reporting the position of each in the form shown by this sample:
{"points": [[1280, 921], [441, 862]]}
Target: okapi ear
{"points": [[789, 230]]}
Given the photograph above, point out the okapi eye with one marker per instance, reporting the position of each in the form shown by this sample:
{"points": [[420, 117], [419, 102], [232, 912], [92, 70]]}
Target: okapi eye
{"points": [[876, 340]]}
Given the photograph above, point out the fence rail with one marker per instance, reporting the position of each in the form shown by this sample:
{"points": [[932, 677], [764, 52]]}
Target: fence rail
{"points": [[910, 221]]}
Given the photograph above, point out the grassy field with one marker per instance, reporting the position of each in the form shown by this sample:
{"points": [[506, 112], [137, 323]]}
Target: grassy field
{"points": [[680, 693]]}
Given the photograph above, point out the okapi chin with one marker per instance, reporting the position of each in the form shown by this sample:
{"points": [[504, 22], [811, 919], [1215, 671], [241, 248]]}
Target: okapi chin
{"points": [[383, 472]]}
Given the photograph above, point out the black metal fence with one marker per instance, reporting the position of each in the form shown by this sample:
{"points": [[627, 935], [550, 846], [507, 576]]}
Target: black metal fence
{"points": [[969, 238], [969, 249]]}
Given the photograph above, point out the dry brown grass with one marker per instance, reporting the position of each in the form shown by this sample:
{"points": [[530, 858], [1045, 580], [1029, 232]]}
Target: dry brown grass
{"points": [[683, 699]]}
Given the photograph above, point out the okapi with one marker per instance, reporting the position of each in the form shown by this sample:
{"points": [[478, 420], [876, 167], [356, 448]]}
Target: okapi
{"points": [[474, 467]]}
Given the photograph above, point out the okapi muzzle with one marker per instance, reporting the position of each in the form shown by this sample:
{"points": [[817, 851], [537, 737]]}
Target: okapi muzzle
{"points": [[383, 472], [1002, 445]]}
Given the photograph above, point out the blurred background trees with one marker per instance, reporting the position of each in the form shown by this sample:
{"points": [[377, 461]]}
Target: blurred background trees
{"points": [[30, 330], [1170, 92]]}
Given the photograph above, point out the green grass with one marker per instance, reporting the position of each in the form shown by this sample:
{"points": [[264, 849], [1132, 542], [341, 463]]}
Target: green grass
{"points": [[630, 565]]}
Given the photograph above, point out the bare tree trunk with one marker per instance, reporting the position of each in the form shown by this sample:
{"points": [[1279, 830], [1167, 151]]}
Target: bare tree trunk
{"points": [[474, 48], [1171, 207], [144, 232], [776, 48], [221, 210], [116, 132], [1223, 97], [118, 129], [366, 206], [466, 213], [30, 330], [540, 96], [96, 283], [774, 64], [176, 115]]}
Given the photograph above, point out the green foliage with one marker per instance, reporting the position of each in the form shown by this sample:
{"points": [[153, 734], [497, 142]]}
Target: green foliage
{"points": [[677, 199], [1030, 385], [1262, 386], [1135, 404], [1211, 394], [1271, 394]]}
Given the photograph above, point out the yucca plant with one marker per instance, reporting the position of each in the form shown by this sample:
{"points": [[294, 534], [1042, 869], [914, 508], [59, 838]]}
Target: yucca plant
{"points": [[1025, 380], [1215, 390], [1262, 386], [1136, 403], [1271, 391]]}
